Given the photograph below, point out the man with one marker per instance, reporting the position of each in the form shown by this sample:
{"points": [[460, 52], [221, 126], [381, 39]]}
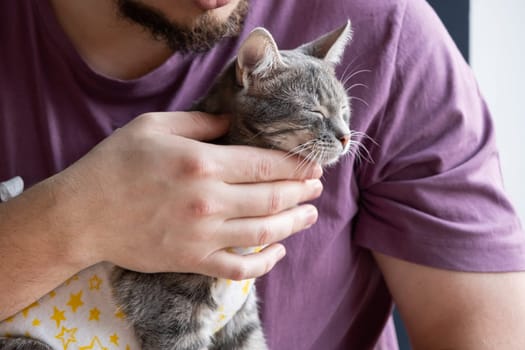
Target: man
{"points": [[425, 223]]}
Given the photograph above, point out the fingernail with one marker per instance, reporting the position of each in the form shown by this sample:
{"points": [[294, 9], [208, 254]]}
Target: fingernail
{"points": [[281, 252], [310, 216], [317, 172], [316, 187]]}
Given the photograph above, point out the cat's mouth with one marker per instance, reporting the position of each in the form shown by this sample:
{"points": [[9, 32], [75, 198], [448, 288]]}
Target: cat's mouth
{"points": [[324, 149], [320, 152]]}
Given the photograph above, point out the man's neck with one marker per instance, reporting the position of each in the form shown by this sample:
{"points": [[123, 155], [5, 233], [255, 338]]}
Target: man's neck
{"points": [[109, 44]]}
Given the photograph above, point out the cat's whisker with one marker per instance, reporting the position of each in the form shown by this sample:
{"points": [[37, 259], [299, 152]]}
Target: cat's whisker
{"points": [[255, 136], [297, 150], [300, 164], [303, 165], [319, 156], [305, 162], [289, 155], [311, 159], [360, 100], [362, 135], [299, 170], [356, 73], [292, 153], [349, 77], [358, 157], [343, 76], [314, 156], [354, 86], [358, 133], [302, 145], [360, 151]]}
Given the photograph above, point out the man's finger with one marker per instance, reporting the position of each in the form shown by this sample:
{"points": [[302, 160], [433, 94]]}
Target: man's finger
{"points": [[268, 198], [225, 264], [252, 232], [243, 164]]}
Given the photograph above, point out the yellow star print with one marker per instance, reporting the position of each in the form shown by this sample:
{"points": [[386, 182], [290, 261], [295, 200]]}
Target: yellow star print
{"points": [[75, 301], [95, 282], [114, 339], [67, 336], [58, 316], [120, 314], [25, 312], [94, 314], [246, 287], [36, 322], [94, 345], [74, 278]]}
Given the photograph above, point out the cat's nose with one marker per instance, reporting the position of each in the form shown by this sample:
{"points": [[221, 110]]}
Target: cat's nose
{"points": [[344, 139]]}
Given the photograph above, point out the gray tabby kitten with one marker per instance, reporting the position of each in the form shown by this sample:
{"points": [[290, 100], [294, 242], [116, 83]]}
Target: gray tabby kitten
{"points": [[286, 100]]}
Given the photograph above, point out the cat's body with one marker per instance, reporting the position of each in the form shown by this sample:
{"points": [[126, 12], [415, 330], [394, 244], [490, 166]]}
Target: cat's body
{"points": [[178, 311], [287, 100]]}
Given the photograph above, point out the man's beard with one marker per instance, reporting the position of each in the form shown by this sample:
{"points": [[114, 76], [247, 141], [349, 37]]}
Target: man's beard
{"points": [[202, 36]]}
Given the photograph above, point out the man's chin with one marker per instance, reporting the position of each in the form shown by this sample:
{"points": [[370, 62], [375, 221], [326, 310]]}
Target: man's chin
{"points": [[205, 31]]}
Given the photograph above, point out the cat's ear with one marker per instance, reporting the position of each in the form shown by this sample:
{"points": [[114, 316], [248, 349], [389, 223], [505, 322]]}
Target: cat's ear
{"points": [[329, 47], [257, 55]]}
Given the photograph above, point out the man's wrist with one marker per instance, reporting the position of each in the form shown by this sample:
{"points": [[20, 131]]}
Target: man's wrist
{"points": [[38, 246], [66, 222]]}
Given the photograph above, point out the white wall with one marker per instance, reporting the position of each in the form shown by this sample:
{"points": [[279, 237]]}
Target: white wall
{"points": [[497, 55]]}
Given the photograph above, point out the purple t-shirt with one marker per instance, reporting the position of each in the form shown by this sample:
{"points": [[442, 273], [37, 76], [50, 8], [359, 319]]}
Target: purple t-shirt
{"points": [[433, 194]]}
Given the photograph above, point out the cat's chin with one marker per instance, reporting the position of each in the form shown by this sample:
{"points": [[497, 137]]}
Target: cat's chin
{"points": [[330, 161]]}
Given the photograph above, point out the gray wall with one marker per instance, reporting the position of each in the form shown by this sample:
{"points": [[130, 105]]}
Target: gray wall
{"points": [[498, 58]]}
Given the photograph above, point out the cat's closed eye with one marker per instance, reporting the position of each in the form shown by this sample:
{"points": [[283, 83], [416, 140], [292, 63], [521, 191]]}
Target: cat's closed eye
{"points": [[318, 113]]}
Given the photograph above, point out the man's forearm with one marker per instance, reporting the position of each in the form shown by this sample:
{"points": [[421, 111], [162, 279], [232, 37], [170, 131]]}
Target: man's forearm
{"points": [[36, 247]]}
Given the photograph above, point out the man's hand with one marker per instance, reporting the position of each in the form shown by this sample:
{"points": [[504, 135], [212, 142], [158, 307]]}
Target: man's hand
{"points": [[153, 198]]}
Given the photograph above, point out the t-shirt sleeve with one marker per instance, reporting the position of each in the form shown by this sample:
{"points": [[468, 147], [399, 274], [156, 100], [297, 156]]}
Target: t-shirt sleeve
{"points": [[434, 194]]}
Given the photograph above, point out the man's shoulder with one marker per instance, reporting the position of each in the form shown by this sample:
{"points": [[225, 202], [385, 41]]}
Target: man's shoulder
{"points": [[301, 16], [297, 22]]}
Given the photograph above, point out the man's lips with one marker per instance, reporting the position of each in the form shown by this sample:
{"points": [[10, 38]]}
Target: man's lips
{"points": [[211, 4]]}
